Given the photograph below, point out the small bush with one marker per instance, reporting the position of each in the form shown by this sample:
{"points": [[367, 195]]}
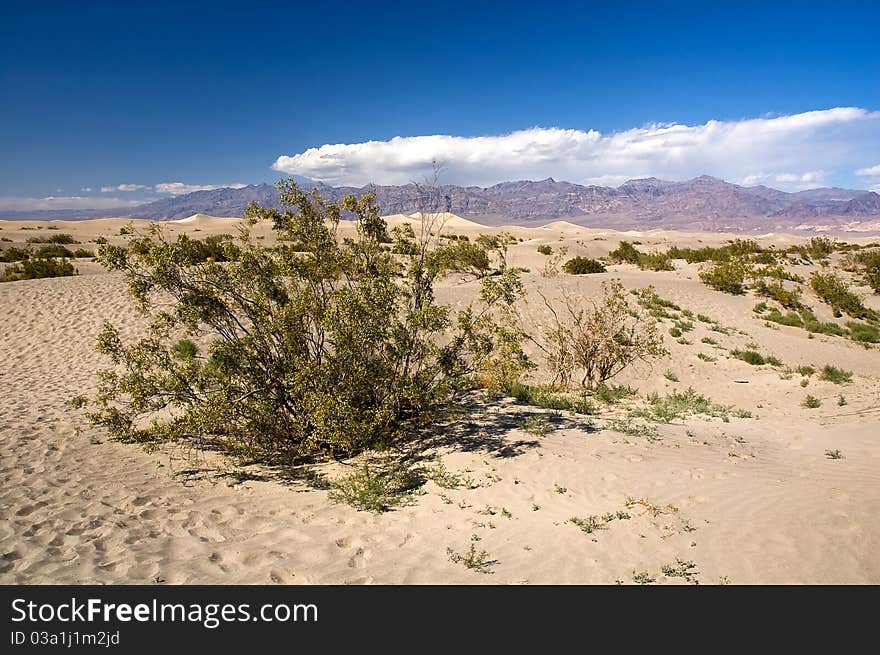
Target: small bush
{"points": [[863, 332], [836, 375], [870, 263], [788, 298], [749, 357], [655, 261], [834, 291], [61, 238], [53, 250], [598, 338], [544, 249], [811, 402], [15, 254], [35, 268], [728, 276], [625, 253], [583, 266]]}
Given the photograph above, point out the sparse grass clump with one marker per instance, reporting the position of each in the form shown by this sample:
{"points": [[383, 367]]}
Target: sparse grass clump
{"points": [[681, 569], [811, 402], [583, 266], [472, 559], [376, 489], [537, 426], [589, 524], [612, 394], [679, 405], [549, 398]]}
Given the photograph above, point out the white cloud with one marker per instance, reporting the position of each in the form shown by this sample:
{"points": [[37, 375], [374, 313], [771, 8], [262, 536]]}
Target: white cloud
{"points": [[793, 181], [87, 189], [871, 171], [179, 188], [122, 187], [18, 203], [794, 151]]}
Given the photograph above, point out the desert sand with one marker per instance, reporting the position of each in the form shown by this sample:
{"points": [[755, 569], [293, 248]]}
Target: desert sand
{"points": [[749, 501]]}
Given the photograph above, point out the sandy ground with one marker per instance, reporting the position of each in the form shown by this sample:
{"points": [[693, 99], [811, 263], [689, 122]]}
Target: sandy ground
{"points": [[753, 500]]}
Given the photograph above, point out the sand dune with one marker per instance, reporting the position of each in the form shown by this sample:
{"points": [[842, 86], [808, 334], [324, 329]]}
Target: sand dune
{"points": [[752, 500]]}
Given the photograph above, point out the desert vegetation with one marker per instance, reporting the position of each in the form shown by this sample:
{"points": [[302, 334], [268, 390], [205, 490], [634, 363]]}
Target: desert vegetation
{"points": [[318, 345]]}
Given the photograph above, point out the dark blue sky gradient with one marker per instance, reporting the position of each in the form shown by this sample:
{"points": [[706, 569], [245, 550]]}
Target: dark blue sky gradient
{"points": [[100, 93]]}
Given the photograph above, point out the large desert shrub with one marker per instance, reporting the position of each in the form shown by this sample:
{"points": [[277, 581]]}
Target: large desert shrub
{"points": [[317, 345], [594, 339]]}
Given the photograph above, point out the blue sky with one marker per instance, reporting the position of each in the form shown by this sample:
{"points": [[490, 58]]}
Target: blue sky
{"points": [[146, 99]]}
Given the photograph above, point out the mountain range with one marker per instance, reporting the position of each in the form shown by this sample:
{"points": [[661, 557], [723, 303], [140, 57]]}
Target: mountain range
{"points": [[703, 203]]}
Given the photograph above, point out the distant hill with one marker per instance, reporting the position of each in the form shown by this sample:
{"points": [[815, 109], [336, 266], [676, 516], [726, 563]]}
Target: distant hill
{"points": [[703, 203]]}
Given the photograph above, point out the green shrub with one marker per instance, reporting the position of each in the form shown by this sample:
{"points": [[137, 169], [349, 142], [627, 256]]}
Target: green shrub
{"points": [[863, 332], [462, 256], [625, 253], [331, 350], [788, 298], [583, 266], [834, 291], [836, 375], [53, 250], [38, 267], [811, 402], [678, 405], [61, 238], [728, 276], [548, 398], [15, 254], [82, 252], [544, 249], [613, 394], [376, 489], [870, 263], [655, 261], [755, 358]]}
